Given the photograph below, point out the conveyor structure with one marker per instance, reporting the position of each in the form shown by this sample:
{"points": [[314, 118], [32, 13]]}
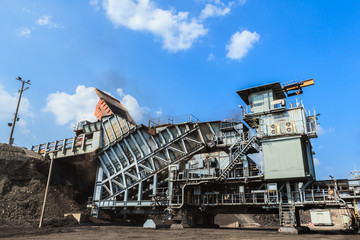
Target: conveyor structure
{"points": [[193, 170]]}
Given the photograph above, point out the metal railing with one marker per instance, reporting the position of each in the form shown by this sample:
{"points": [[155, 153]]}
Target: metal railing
{"points": [[288, 127], [169, 120], [289, 104], [315, 196], [203, 176], [228, 123], [259, 197], [72, 144]]}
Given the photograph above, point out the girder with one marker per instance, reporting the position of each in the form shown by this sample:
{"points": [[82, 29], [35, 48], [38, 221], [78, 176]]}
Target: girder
{"points": [[154, 162]]}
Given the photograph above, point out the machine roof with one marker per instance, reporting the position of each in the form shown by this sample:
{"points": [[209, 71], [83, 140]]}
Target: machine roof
{"points": [[276, 87]]}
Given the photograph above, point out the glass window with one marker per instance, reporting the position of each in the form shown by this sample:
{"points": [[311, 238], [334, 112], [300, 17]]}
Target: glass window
{"points": [[258, 100]]}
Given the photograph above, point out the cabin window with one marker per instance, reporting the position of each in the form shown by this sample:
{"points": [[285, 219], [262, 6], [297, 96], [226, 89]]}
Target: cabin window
{"points": [[256, 101]]}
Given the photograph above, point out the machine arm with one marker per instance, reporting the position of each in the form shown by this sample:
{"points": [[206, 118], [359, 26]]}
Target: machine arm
{"points": [[297, 87]]}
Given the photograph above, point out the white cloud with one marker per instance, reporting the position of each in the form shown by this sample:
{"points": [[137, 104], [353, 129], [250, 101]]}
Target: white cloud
{"points": [[218, 8], [70, 109], [176, 30], [316, 162], [241, 43], [23, 126], [211, 10], [211, 57], [8, 104], [322, 131], [95, 4], [46, 21], [42, 21], [131, 104], [238, 2], [27, 10], [159, 112], [24, 32], [73, 108]]}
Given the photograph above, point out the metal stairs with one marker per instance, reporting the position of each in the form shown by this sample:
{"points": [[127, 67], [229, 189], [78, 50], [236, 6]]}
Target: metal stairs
{"points": [[287, 215], [241, 150]]}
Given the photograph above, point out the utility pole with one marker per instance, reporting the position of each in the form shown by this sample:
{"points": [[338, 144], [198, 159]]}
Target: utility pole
{"points": [[46, 191], [11, 140]]}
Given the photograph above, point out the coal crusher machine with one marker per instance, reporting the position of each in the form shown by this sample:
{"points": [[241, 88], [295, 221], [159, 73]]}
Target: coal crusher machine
{"points": [[191, 170]]}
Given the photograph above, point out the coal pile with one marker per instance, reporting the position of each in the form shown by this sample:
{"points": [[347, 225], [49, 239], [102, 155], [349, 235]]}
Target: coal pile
{"points": [[263, 220], [23, 176], [267, 219]]}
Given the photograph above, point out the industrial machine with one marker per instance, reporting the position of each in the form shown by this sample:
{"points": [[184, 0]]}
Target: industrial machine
{"points": [[192, 170]]}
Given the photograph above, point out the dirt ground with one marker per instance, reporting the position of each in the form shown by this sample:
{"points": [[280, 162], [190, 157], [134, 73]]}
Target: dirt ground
{"points": [[126, 232]]}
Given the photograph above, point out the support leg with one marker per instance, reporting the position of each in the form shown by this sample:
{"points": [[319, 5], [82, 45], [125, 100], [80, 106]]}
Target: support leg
{"points": [[297, 217]]}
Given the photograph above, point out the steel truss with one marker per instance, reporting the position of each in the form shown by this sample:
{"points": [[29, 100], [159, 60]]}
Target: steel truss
{"points": [[133, 168]]}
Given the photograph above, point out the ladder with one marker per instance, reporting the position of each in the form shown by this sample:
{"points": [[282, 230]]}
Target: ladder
{"points": [[241, 150]]}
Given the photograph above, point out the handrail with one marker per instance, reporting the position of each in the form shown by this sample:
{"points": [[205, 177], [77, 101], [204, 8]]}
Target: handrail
{"points": [[240, 151], [296, 127], [170, 120], [63, 145]]}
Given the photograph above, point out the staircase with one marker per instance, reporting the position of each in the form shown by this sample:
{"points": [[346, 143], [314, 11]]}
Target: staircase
{"points": [[235, 155], [287, 215]]}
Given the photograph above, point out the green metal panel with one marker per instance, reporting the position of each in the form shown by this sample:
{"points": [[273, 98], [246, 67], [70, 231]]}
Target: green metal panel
{"points": [[260, 101], [321, 217], [283, 158]]}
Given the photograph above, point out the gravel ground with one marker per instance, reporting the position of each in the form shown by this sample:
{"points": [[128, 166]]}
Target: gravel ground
{"points": [[123, 232]]}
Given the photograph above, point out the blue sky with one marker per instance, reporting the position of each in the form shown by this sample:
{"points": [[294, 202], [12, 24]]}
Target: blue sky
{"points": [[178, 57]]}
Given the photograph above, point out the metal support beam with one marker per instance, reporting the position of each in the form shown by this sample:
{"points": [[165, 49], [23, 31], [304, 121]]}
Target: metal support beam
{"points": [[123, 153], [103, 166], [144, 141], [140, 188], [109, 160], [154, 190], [134, 156], [170, 134], [288, 192], [137, 145], [162, 138], [117, 158], [118, 122]]}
